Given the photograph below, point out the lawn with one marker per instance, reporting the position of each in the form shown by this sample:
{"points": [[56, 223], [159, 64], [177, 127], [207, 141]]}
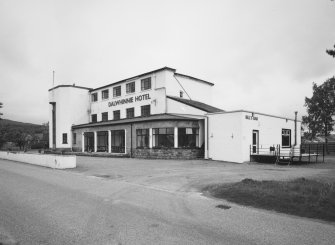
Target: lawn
{"points": [[302, 197]]}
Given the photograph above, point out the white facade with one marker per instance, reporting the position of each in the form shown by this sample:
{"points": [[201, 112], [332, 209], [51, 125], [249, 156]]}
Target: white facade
{"points": [[84, 119], [230, 134], [71, 105], [164, 82], [74, 105]]}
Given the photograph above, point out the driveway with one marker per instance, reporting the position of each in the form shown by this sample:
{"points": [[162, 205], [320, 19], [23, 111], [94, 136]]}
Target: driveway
{"points": [[131, 201], [188, 175]]}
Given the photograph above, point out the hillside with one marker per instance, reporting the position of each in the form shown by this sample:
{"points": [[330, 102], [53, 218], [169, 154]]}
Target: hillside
{"points": [[24, 127], [19, 134]]}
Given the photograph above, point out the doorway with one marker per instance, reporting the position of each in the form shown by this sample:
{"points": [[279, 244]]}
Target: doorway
{"points": [[89, 141], [255, 141]]}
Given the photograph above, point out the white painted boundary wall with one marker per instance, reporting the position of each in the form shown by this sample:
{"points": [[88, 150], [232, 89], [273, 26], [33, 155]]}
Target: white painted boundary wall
{"points": [[45, 160]]}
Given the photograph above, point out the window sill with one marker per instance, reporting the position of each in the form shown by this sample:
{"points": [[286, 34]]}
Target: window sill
{"points": [[145, 90]]}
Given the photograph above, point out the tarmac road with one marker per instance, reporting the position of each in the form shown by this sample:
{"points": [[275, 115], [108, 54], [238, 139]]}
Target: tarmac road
{"points": [[112, 203]]}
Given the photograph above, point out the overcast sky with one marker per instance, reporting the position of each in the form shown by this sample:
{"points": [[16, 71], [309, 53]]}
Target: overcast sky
{"points": [[262, 55]]}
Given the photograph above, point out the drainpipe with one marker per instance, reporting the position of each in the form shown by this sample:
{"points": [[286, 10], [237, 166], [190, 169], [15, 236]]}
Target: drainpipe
{"points": [[295, 128]]}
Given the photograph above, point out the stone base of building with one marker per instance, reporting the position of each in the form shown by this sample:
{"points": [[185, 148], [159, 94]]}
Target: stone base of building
{"points": [[169, 153]]}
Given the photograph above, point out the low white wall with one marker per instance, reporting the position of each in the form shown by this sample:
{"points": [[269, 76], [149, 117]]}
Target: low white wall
{"points": [[45, 160]]}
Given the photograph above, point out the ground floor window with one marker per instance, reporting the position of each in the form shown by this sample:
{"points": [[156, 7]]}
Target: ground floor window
{"points": [[64, 138], [74, 138], [188, 137], [163, 137], [286, 138], [142, 138], [102, 141], [118, 141]]}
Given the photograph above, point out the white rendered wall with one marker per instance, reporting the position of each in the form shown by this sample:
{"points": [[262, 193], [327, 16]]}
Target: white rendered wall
{"points": [[270, 131], [225, 137], [45, 160], [230, 134], [197, 90], [181, 108], [72, 107], [153, 97]]}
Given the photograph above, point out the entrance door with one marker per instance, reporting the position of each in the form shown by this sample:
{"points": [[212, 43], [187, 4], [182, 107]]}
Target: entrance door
{"points": [[89, 141], [255, 141]]}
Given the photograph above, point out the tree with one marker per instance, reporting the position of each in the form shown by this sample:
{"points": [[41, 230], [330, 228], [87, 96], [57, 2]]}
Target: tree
{"points": [[0, 112], [320, 109], [331, 52]]}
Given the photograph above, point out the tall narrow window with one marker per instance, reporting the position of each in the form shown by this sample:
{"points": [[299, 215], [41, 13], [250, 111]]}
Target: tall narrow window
{"points": [[130, 87], [142, 137], [145, 110], [64, 138], [74, 138], [117, 91], [116, 115], [286, 138], [188, 137], [146, 83], [130, 112], [163, 137], [94, 97], [94, 118], [105, 94], [104, 116]]}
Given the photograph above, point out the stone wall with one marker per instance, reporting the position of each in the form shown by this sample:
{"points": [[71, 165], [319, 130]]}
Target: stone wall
{"points": [[169, 153]]}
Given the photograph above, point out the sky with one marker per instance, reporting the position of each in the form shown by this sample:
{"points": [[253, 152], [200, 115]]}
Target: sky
{"points": [[262, 55]]}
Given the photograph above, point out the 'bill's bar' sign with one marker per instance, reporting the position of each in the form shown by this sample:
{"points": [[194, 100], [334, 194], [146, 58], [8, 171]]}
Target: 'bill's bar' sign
{"points": [[129, 100]]}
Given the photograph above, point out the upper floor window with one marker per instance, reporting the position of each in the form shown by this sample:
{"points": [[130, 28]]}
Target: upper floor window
{"points": [[64, 138], [117, 91], [130, 87], [286, 138], [146, 83], [145, 110], [104, 116], [188, 137], [94, 97], [94, 117], [116, 115], [105, 94], [130, 112]]}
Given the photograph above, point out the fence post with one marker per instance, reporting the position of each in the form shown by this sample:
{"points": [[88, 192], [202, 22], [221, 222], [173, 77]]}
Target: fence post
{"points": [[317, 152], [309, 153], [250, 152], [323, 153]]}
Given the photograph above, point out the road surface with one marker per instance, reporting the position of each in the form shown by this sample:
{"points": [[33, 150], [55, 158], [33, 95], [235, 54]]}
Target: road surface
{"points": [[45, 206]]}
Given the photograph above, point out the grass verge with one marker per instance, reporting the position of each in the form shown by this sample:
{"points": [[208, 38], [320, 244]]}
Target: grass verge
{"points": [[302, 197]]}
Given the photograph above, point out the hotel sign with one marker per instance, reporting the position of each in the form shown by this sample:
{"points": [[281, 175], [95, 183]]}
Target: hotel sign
{"points": [[129, 100], [251, 118]]}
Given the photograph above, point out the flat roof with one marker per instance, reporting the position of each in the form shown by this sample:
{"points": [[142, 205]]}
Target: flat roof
{"points": [[72, 86], [156, 117], [141, 75], [259, 113], [194, 78]]}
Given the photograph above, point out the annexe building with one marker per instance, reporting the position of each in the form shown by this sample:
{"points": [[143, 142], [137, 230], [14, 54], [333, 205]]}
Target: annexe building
{"points": [[161, 114]]}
